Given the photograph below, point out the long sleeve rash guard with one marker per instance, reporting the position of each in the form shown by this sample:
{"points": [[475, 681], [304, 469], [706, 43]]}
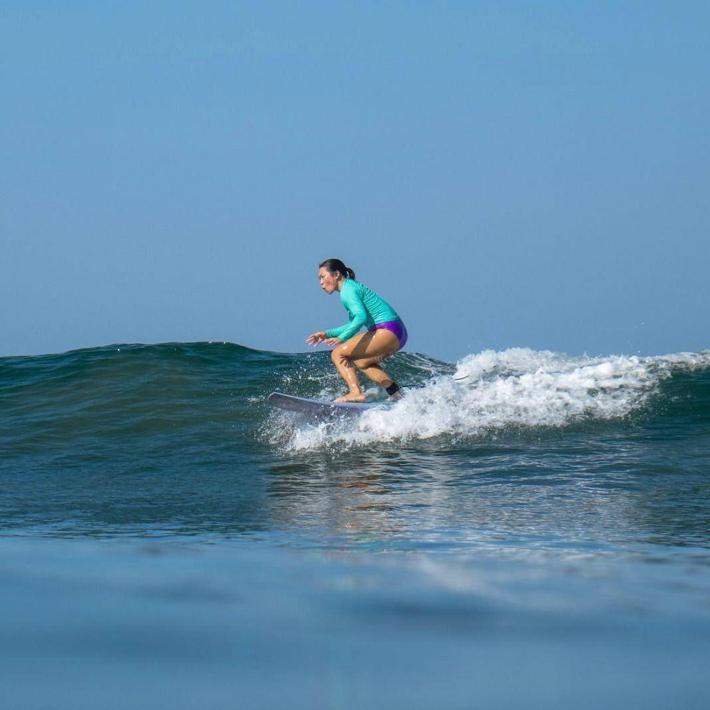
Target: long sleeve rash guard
{"points": [[364, 307]]}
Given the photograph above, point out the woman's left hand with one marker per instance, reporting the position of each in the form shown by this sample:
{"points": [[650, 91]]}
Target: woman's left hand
{"points": [[315, 338]]}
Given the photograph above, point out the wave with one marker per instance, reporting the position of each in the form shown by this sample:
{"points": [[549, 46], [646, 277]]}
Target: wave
{"points": [[214, 393], [516, 388]]}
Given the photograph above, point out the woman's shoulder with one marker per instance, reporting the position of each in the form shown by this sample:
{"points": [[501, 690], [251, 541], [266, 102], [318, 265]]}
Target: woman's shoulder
{"points": [[351, 286]]}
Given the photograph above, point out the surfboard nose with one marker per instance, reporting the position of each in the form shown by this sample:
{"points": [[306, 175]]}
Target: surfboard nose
{"points": [[316, 407]]}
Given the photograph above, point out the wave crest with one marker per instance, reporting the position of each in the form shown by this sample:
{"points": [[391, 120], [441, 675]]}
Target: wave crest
{"points": [[493, 390]]}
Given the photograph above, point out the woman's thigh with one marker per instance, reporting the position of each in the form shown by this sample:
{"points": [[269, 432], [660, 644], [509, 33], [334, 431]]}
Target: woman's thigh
{"points": [[370, 346]]}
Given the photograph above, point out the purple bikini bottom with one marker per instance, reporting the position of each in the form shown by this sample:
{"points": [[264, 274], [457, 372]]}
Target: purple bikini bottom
{"points": [[394, 326]]}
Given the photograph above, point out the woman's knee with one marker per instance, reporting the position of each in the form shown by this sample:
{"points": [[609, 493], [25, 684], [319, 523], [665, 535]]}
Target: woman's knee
{"points": [[338, 355]]}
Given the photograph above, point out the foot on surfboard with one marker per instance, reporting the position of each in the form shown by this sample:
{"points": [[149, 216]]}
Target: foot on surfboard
{"points": [[352, 397]]}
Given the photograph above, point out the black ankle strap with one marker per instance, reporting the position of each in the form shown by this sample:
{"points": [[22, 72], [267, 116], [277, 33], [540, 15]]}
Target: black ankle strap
{"points": [[394, 387]]}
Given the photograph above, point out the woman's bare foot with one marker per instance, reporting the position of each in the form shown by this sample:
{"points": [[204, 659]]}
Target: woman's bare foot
{"points": [[352, 397]]}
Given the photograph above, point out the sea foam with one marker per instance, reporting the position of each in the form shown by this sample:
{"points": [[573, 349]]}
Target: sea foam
{"points": [[493, 390]]}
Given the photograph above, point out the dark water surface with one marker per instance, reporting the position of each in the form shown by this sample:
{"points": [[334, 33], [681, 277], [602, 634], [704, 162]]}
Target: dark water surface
{"points": [[525, 529]]}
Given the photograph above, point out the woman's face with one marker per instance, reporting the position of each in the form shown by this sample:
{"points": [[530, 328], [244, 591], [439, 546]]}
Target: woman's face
{"points": [[328, 282]]}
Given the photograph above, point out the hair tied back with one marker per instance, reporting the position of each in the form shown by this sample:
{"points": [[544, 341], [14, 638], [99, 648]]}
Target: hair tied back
{"points": [[335, 266]]}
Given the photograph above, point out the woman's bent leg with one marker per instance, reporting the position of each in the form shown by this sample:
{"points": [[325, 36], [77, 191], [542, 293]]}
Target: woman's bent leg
{"points": [[374, 371], [367, 350], [347, 371]]}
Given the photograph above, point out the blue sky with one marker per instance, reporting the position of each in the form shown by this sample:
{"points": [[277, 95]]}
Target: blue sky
{"points": [[505, 173]]}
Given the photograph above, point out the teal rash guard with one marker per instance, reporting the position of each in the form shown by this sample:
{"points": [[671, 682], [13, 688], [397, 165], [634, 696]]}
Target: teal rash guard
{"points": [[364, 307]]}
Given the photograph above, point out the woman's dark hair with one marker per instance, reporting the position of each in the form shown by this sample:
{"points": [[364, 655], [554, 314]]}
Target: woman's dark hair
{"points": [[335, 266]]}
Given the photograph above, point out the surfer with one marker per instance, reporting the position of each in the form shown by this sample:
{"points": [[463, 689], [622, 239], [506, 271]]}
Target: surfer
{"points": [[385, 334]]}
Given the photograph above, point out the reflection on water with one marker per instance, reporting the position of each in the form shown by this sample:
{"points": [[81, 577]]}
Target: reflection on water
{"points": [[603, 490], [503, 494]]}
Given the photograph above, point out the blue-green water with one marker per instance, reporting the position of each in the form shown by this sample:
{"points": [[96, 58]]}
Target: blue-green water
{"points": [[524, 529]]}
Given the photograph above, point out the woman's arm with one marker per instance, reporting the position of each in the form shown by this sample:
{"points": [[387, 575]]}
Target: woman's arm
{"points": [[336, 332], [358, 316]]}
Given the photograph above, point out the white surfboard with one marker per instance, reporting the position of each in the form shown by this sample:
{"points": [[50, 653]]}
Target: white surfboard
{"points": [[317, 407]]}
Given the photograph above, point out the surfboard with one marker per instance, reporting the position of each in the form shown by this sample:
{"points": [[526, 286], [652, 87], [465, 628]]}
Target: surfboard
{"points": [[317, 407]]}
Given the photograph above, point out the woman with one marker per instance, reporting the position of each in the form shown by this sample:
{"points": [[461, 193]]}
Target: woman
{"points": [[385, 334]]}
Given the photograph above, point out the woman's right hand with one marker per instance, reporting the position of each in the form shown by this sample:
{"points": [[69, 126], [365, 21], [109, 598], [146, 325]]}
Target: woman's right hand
{"points": [[315, 338]]}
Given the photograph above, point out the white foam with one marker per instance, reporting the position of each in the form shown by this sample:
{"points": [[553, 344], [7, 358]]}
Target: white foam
{"points": [[494, 390]]}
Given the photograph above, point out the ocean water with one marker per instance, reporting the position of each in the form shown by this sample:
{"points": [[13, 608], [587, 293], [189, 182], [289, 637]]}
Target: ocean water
{"points": [[523, 529]]}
